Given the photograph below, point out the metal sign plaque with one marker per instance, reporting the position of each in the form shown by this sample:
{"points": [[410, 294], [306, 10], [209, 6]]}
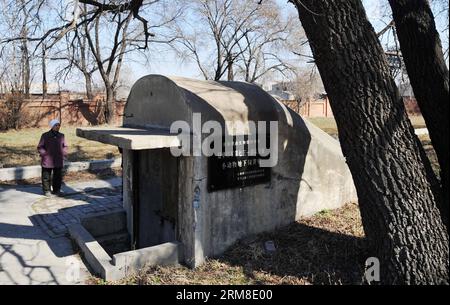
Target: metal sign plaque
{"points": [[240, 169]]}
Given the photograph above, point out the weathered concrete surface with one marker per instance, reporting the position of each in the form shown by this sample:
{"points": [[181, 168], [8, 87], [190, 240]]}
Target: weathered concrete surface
{"points": [[310, 175], [34, 171], [115, 243], [130, 138], [162, 255], [98, 260], [125, 263], [326, 180]]}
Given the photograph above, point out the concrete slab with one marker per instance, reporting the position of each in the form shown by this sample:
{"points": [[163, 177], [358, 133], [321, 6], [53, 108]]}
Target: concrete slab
{"points": [[93, 253], [130, 138]]}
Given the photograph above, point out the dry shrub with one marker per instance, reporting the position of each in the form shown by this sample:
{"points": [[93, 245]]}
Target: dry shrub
{"points": [[12, 112]]}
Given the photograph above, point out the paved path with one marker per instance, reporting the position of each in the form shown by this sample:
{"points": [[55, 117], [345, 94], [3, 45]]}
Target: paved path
{"points": [[33, 246]]}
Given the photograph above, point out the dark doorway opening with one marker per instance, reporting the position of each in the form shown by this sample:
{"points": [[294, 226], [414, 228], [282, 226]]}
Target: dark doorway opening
{"points": [[155, 198]]}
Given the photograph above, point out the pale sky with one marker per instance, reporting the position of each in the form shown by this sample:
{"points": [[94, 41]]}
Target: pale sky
{"points": [[167, 62]]}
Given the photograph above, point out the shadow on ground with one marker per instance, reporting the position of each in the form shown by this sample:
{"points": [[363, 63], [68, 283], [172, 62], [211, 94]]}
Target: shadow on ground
{"points": [[30, 254], [318, 256], [27, 270]]}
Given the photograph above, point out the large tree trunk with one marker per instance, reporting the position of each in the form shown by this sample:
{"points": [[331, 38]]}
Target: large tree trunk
{"points": [[400, 217], [422, 52], [88, 84], [110, 105], [25, 68], [25, 61], [44, 73]]}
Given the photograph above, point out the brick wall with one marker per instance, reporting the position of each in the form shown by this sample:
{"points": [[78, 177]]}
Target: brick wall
{"points": [[311, 108], [322, 108], [412, 108], [79, 112]]}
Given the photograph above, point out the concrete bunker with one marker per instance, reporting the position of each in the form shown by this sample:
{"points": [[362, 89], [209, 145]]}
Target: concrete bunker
{"points": [[195, 206]]}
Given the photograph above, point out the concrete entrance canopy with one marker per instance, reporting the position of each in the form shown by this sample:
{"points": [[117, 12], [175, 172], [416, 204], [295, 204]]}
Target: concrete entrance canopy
{"points": [[130, 138], [204, 204]]}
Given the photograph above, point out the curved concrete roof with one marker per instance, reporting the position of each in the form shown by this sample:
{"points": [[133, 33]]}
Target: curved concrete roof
{"points": [[157, 100]]}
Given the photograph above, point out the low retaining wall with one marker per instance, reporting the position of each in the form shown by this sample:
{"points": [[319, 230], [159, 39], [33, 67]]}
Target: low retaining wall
{"points": [[122, 264], [34, 171]]}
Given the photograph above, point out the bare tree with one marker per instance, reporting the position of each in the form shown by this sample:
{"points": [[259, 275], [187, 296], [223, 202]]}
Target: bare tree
{"points": [[308, 84], [228, 33], [44, 72], [75, 53], [269, 43], [127, 36], [18, 21], [441, 10], [110, 70], [97, 37]]}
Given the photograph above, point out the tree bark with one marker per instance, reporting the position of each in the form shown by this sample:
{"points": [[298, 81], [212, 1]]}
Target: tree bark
{"points": [[44, 73], [83, 61], [110, 105], [25, 61], [88, 85], [25, 65], [422, 53], [230, 76], [399, 214]]}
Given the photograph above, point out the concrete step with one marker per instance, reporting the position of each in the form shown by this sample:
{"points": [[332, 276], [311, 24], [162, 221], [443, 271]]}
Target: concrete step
{"points": [[107, 223], [115, 243]]}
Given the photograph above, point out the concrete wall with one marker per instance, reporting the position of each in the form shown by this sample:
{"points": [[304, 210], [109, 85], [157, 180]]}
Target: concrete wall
{"points": [[127, 187], [311, 175]]}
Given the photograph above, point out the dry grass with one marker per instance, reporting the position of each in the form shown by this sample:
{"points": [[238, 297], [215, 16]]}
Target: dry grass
{"points": [[417, 121], [329, 124], [431, 153], [326, 124], [18, 148], [327, 248]]}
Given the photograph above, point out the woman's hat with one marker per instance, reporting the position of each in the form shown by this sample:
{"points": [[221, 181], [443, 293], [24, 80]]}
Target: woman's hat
{"points": [[53, 123]]}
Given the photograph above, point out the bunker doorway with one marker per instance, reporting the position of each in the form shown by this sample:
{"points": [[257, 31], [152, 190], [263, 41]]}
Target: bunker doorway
{"points": [[150, 175], [155, 197]]}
